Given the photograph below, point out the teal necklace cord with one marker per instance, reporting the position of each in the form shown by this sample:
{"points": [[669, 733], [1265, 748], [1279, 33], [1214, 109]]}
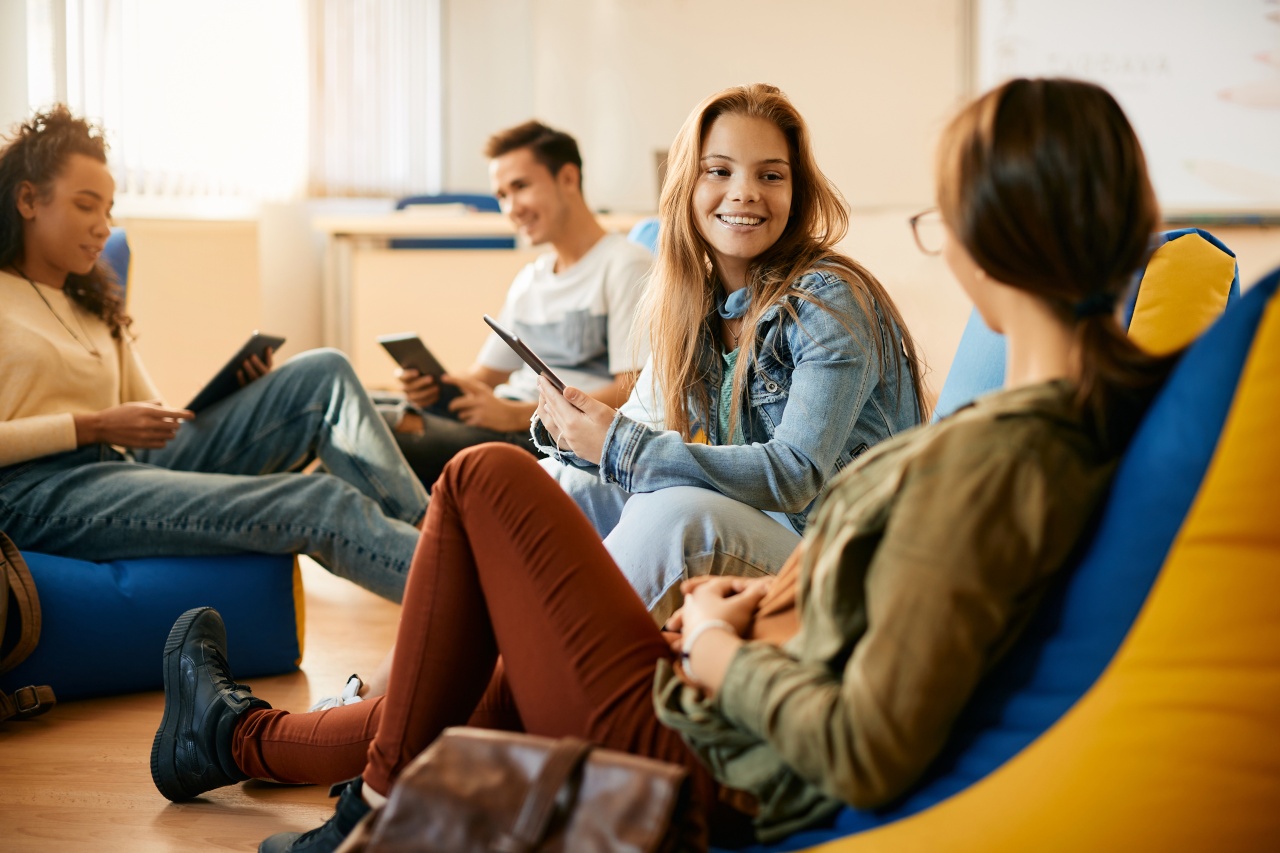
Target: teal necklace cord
{"points": [[84, 342]]}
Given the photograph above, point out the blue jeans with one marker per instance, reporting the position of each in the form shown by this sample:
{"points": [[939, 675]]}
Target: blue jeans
{"points": [[443, 436], [228, 484], [660, 538]]}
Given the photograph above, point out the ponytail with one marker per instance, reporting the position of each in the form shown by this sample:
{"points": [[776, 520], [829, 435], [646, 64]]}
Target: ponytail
{"points": [[1118, 379]]}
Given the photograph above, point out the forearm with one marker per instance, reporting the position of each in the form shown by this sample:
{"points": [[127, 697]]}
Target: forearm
{"points": [[771, 476], [30, 438], [855, 748], [782, 473], [616, 392], [512, 416], [87, 428], [709, 658], [488, 375]]}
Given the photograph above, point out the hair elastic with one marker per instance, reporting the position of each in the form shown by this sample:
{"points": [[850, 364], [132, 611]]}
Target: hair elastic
{"points": [[1094, 305]]}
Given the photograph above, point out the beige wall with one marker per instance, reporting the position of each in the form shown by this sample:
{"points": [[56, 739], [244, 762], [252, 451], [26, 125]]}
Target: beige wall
{"points": [[195, 295], [488, 85], [621, 76], [874, 79]]}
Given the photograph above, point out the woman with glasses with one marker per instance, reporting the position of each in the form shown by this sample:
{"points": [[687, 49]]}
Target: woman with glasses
{"points": [[919, 569]]}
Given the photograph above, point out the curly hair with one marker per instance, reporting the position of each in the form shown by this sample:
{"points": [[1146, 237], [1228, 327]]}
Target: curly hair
{"points": [[36, 153]]}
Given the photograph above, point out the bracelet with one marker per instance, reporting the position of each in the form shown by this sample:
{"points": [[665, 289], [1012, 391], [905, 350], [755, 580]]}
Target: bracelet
{"points": [[686, 645]]}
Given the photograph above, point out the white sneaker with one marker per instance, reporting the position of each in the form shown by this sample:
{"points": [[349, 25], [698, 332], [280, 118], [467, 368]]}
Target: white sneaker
{"points": [[349, 696]]}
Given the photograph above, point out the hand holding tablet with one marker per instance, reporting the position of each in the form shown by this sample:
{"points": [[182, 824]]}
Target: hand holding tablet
{"points": [[411, 353], [226, 382], [530, 358]]}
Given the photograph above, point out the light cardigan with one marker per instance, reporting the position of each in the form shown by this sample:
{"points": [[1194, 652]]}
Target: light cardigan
{"points": [[48, 376]]}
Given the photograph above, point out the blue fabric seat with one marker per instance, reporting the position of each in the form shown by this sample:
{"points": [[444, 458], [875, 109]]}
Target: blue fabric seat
{"points": [[1031, 699], [645, 233], [978, 367], [104, 624]]}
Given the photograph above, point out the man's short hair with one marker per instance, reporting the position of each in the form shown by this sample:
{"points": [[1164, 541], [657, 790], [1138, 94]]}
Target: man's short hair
{"points": [[550, 147]]}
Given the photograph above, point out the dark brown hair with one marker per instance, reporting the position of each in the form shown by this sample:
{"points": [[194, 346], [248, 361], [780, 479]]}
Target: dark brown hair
{"points": [[550, 147], [1045, 185], [37, 152]]}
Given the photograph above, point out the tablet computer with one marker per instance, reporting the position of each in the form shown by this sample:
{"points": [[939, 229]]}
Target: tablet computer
{"points": [[408, 351], [530, 358], [225, 383]]}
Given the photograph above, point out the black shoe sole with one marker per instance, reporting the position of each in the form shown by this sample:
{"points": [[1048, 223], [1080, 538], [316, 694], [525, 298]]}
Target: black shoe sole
{"points": [[164, 772]]}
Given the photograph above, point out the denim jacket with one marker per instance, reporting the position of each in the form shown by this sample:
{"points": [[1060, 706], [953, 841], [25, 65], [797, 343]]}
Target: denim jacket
{"points": [[816, 398]]}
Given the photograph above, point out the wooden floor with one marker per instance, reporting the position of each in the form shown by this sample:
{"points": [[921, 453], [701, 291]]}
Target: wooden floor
{"points": [[79, 778]]}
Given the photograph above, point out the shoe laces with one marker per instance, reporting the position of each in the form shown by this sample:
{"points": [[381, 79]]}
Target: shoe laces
{"points": [[222, 671]]}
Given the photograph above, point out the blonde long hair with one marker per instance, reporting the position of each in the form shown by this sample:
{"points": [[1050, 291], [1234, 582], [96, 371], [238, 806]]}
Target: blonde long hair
{"points": [[684, 286]]}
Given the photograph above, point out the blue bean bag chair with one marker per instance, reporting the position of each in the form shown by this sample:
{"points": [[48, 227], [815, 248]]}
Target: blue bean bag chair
{"points": [[105, 623], [1139, 710], [1197, 277]]}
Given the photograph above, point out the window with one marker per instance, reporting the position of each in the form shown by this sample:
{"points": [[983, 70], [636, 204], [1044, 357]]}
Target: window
{"points": [[250, 100]]}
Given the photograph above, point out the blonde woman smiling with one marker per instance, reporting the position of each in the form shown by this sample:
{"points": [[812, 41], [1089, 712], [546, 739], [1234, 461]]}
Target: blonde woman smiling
{"points": [[776, 362]]}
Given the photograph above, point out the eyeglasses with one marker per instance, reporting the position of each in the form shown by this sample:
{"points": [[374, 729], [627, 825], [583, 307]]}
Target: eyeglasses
{"points": [[927, 228]]}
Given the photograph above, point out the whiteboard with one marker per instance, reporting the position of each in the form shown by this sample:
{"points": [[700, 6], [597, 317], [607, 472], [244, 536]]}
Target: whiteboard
{"points": [[1199, 80]]}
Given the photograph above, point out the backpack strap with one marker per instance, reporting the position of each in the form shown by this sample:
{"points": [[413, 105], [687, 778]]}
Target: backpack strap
{"points": [[562, 764], [17, 584], [26, 702]]}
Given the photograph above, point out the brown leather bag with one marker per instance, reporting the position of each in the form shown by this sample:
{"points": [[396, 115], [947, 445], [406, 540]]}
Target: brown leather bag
{"points": [[19, 633], [507, 792]]}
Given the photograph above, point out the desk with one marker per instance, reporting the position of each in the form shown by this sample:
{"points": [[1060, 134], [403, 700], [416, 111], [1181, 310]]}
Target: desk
{"points": [[371, 290]]}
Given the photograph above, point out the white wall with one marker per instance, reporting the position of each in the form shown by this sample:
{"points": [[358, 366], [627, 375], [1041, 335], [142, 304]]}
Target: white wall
{"points": [[874, 79], [13, 63], [488, 82]]}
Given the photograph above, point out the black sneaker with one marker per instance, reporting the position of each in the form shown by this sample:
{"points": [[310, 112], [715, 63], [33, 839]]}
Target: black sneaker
{"points": [[191, 752], [329, 835]]}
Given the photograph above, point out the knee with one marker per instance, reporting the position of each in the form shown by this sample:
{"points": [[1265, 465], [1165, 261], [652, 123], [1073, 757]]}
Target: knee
{"points": [[485, 463], [675, 509], [324, 363], [575, 481]]}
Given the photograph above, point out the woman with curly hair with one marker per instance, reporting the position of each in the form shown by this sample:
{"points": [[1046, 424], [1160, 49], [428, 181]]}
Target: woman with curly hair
{"points": [[93, 465]]}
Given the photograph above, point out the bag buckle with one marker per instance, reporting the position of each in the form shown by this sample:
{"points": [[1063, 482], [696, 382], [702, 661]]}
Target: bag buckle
{"points": [[27, 704]]}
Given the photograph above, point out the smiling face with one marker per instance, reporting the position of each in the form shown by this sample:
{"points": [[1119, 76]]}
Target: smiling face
{"points": [[743, 195], [531, 197], [65, 227]]}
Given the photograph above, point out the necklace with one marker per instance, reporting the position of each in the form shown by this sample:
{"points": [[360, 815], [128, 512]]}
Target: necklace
{"points": [[733, 345], [84, 342], [733, 308]]}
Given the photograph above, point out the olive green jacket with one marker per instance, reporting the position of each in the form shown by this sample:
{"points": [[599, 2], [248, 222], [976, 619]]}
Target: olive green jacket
{"points": [[920, 567]]}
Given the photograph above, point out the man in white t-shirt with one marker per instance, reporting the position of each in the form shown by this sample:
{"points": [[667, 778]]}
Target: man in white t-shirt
{"points": [[574, 306]]}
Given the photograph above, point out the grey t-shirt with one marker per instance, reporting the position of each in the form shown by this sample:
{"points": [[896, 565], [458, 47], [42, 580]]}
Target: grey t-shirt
{"points": [[578, 321]]}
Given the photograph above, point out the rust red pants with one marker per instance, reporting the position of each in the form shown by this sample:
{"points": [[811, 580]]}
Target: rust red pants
{"points": [[507, 567]]}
